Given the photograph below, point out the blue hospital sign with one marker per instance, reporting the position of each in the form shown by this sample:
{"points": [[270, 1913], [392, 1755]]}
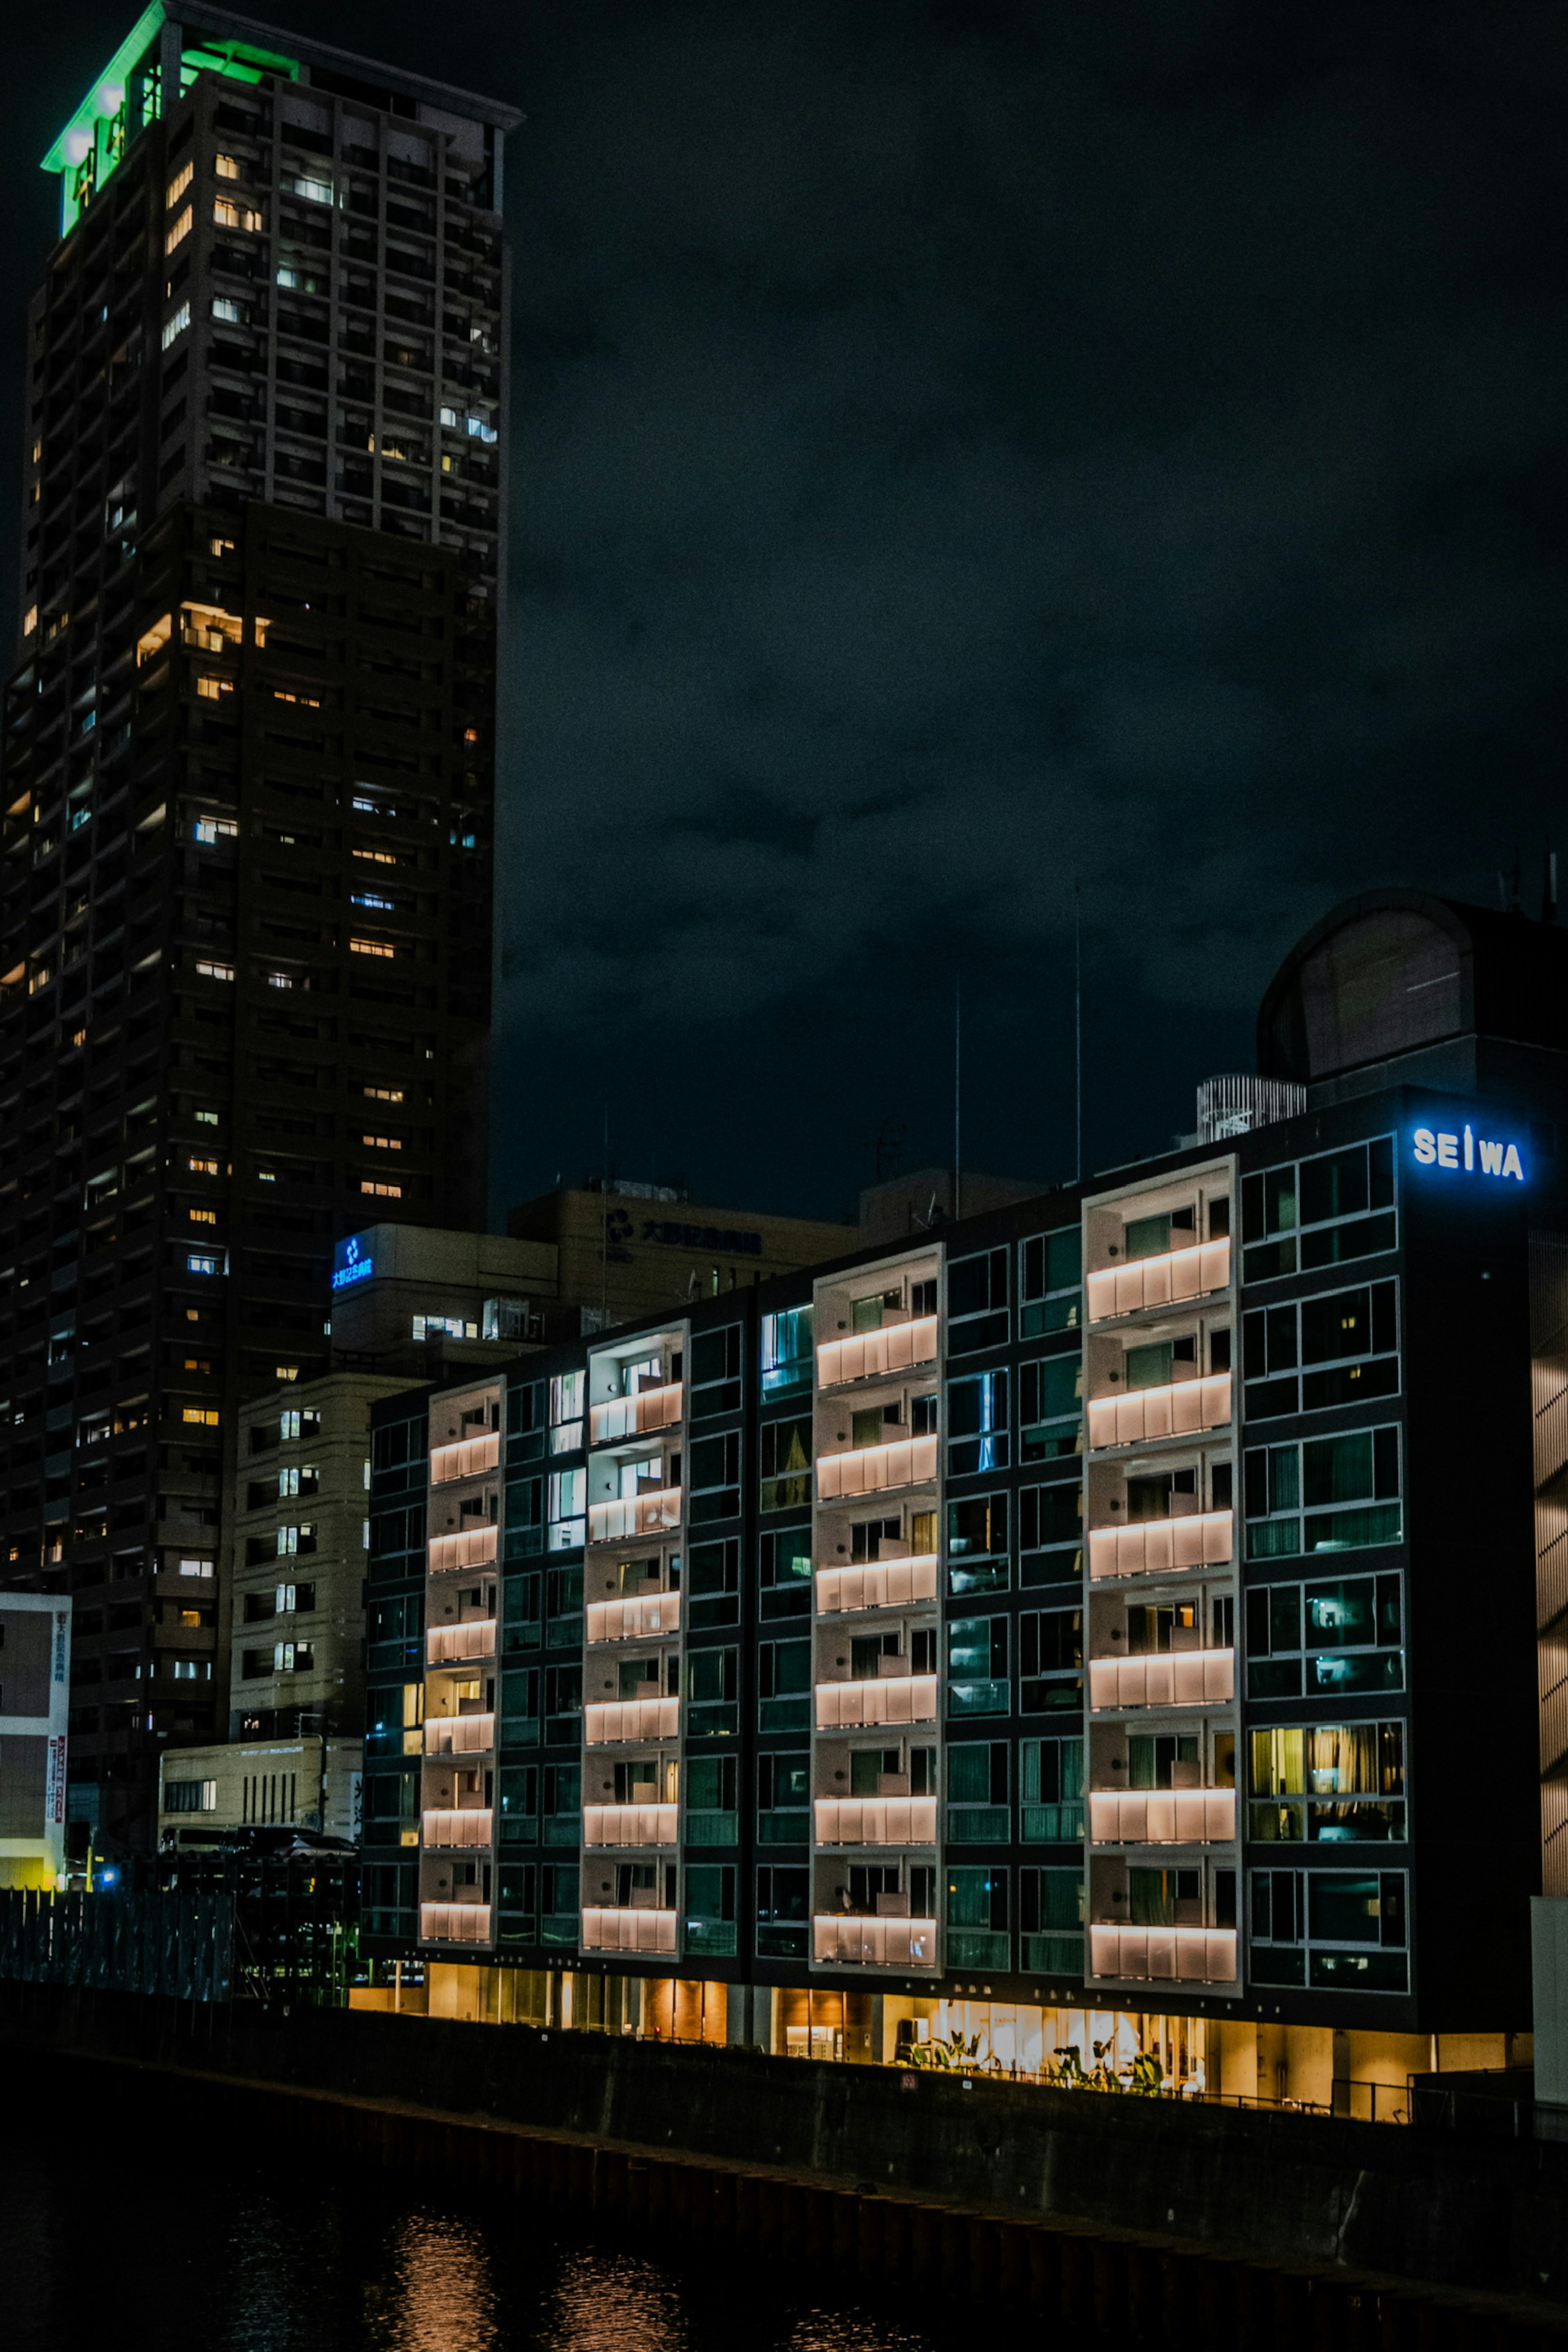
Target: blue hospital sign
{"points": [[350, 1267], [1466, 1152]]}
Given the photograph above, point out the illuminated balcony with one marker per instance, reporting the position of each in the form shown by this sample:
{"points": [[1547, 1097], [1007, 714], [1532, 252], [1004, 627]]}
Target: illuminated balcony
{"points": [[889, 1698], [625, 1621], [1155, 1547], [882, 1584], [873, 1469], [870, 1355], [630, 1824], [466, 1825], [1176, 1678], [470, 1547], [629, 1929], [876, 1820], [636, 1514], [459, 1734], [1165, 1955], [1162, 1817], [449, 1645], [454, 1923], [868, 1943], [635, 1416], [1180, 1410], [467, 1458], [611, 1720], [1163, 1281]]}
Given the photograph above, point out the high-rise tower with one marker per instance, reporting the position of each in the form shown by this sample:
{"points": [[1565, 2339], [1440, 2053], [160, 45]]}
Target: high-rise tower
{"points": [[244, 887]]}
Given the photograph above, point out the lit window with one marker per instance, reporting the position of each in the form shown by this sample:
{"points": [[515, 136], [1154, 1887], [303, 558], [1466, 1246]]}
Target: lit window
{"points": [[204, 1415], [202, 1217], [279, 979], [206, 1118], [40, 979], [267, 1175], [310, 701], [370, 948], [383, 1142], [193, 1670], [201, 1265], [30, 620], [374, 856], [226, 166], [315, 192], [382, 1094], [381, 1191], [202, 1167], [233, 314], [180, 231], [176, 326], [215, 971], [210, 830], [450, 417], [211, 689], [227, 214], [195, 1567], [285, 1371], [155, 639], [369, 898], [178, 184], [480, 429]]}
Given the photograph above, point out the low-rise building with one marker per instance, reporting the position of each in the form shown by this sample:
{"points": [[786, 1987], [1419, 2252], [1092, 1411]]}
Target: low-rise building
{"points": [[35, 1704], [229, 1794]]}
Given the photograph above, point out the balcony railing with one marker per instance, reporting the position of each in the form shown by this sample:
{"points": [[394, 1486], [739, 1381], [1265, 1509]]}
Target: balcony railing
{"points": [[448, 1646], [889, 1698], [839, 1942], [1171, 1955], [636, 1514], [1177, 1678], [454, 1923], [467, 1458], [625, 1621], [635, 1416], [1159, 1281], [1199, 1539], [459, 1734], [897, 1348], [883, 1584], [872, 1469], [630, 1824], [627, 1930], [470, 1547], [1162, 1816], [464, 1825], [1180, 1410], [876, 1820], [612, 1719]]}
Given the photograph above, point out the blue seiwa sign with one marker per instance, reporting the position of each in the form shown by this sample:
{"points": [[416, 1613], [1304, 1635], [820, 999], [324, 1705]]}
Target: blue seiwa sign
{"points": [[350, 1267], [1465, 1151]]}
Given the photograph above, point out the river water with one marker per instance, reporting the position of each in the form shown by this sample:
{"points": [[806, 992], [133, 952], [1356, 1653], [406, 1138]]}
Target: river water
{"points": [[116, 2237]]}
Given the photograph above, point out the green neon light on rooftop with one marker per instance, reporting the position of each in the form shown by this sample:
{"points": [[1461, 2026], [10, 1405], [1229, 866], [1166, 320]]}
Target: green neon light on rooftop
{"points": [[115, 112]]}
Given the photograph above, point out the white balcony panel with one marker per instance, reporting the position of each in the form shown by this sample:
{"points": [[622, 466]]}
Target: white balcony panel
{"points": [[838, 1942], [459, 1734], [1165, 1955], [609, 1930], [635, 1416], [460, 1825], [872, 1469], [629, 1621], [1177, 1678], [1156, 1546], [890, 1698], [1181, 1409], [470, 1547], [876, 1820], [868, 1355], [636, 1514], [630, 1824], [454, 1923], [450, 1646], [882, 1584], [612, 1720], [1162, 1816], [1159, 1281], [467, 1459]]}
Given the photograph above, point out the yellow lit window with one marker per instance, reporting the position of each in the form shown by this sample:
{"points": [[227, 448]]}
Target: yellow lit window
{"points": [[382, 1192], [178, 184], [215, 971], [179, 231], [227, 167], [377, 857], [213, 689], [205, 1416], [310, 701], [198, 1363], [155, 639], [383, 1142], [371, 947], [227, 214], [211, 629], [202, 1216], [220, 547], [29, 620], [382, 1094], [202, 1167]]}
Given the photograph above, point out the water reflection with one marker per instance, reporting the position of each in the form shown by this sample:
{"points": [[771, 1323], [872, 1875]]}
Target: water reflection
{"points": [[613, 2303], [441, 2297]]}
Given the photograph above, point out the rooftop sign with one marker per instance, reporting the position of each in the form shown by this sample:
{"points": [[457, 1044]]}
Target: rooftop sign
{"points": [[1466, 1152], [350, 1265]]}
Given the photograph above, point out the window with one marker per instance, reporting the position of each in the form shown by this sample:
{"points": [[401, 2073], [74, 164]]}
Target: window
{"points": [[708, 1927], [977, 1918], [713, 1683], [1326, 1494], [977, 1423], [713, 1583], [177, 185], [559, 1892], [210, 831], [520, 1717], [1051, 1774], [567, 1518], [315, 192], [1343, 1931], [1051, 1662], [519, 1806], [786, 1464], [784, 1800], [1313, 1353], [786, 1350], [1334, 1783], [176, 326], [1320, 1212], [977, 1302], [715, 1372], [784, 1686], [1050, 1533], [566, 1411], [715, 1478], [381, 1191], [1344, 1636], [978, 1667], [712, 1813], [563, 1705], [202, 1416], [564, 1609], [783, 1911], [784, 1573], [977, 1544], [215, 971], [190, 1796], [370, 948], [1051, 1922], [1050, 1277], [228, 214], [978, 1807], [179, 230], [1050, 1408]]}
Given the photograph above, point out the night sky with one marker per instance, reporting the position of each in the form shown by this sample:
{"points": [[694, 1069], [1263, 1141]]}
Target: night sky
{"points": [[963, 452]]}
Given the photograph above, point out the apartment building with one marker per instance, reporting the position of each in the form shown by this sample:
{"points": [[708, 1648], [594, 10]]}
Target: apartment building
{"points": [[1061, 1625], [246, 850]]}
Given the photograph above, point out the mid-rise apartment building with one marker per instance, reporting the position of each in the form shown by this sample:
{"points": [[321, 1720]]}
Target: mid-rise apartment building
{"points": [[245, 869], [1060, 1624]]}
